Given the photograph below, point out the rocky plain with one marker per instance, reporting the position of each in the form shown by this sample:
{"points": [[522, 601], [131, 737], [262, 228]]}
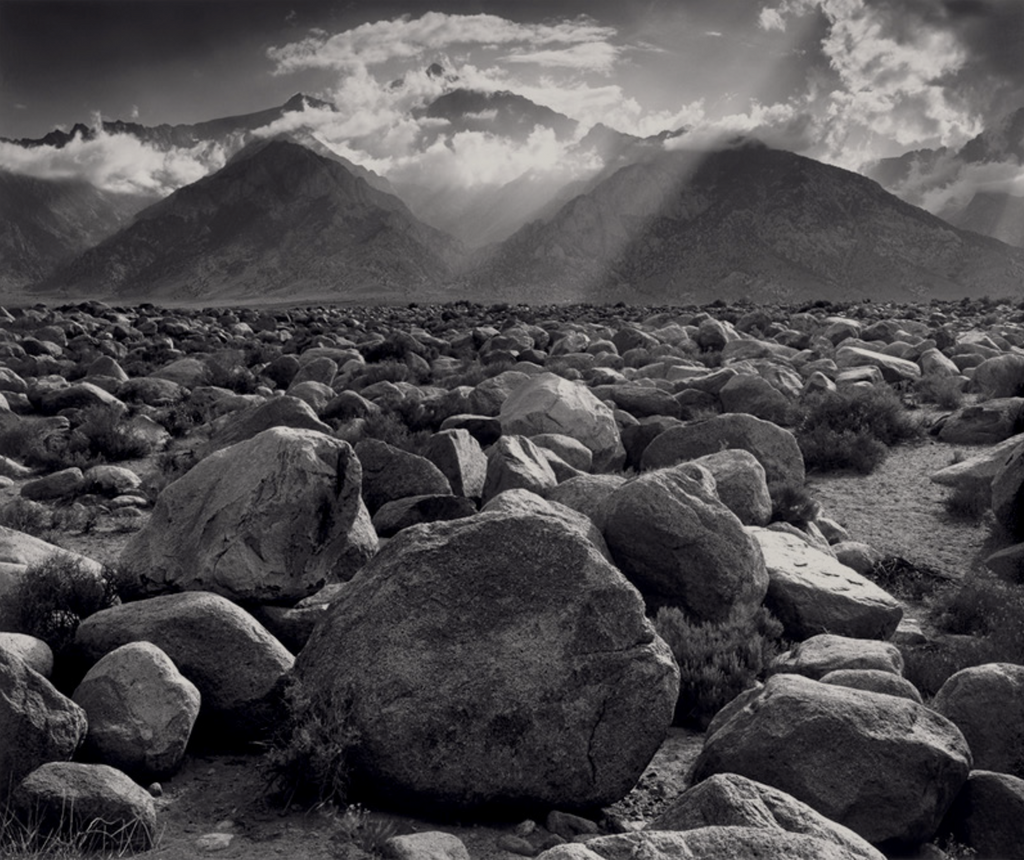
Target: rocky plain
{"points": [[506, 580]]}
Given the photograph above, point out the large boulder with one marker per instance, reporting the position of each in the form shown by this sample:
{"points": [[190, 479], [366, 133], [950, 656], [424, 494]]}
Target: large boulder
{"points": [[884, 766], [987, 704], [894, 370], [587, 494], [515, 463], [811, 592], [1006, 490], [550, 404], [525, 502], [731, 800], [752, 394], [1000, 376], [93, 805], [741, 484], [231, 658], [681, 546], [389, 473], [988, 815], [775, 448], [497, 661], [705, 843], [285, 411], [140, 709], [37, 723], [270, 520], [461, 460], [983, 423], [977, 471]]}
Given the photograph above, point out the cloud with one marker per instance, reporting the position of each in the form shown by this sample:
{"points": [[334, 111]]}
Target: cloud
{"points": [[599, 57], [116, 162], [406, 38], [784, 126], [771, 19]]}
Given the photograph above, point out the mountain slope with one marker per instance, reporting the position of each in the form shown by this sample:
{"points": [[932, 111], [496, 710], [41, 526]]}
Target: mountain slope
{"points": [[45, 222], [992, 213], [748, 221], [278, 219]]}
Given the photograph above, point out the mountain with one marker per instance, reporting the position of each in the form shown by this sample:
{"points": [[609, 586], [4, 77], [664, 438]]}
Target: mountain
{"points": [[183, 135], [503, 113], [992, 213], [277, 220], [751, 222], [45, 222]]}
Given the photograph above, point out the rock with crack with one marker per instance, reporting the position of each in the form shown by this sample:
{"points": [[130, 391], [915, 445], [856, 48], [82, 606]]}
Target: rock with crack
{"points": [[494, 662]]}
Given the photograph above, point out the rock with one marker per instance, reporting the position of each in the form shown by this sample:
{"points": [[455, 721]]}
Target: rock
{"points": [[1008, 563], [513, 844], [731, 800], [188, 372], [1000, 376], [645, 401], [151, 391], [751, 394], [461, 460], [811, 592], [569, 826], [19, 554], [514, 462], [873, 680], [894, 370], [681, 546], [550, 404], [575, 454], [525, 502], [390, 473], [109, 480], [979, 470], [233, 661], [412, 510], [91, 804], [775, 448], [485, 429], [1007, 495], [271, 519], [988, 815], [740, 483], [37, 724], [80, 395], [827, 652], [429, 845], [987, 704], [505, 647], [140, 710], [58, 485], [860, 556], [286, 412], [705, 843], [37, 655], [13, 469], [587, 494], [883, 766], [983, 423]]}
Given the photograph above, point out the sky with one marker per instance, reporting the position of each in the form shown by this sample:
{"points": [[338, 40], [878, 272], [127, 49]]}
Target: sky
{"points": [[844, 81]]}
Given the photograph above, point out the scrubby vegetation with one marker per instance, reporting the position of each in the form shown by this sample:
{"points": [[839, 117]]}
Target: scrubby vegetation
{"points": [[793, 504], [968, 501], [717, 661], [853, 429]]}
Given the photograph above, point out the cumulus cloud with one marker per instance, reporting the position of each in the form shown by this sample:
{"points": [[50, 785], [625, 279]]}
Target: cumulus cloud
{"points": [[784, 126], [116, 162]]}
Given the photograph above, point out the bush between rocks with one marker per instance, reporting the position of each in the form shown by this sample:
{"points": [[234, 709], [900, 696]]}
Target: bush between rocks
{"points": [[717, 661]]}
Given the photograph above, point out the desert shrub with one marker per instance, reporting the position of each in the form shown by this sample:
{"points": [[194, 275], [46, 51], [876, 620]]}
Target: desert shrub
{"points": [[943, 391], [54, 597], [22, 839], [473, 373], [904, 579], [308, 759], [26, 516], [101, 436], [238, 379], [357, 827], [180, 419], [390, 426], [853, 429], [968, 501], [386, 371], [792, 503], [108, 438], [171, 465], [717, 661]]}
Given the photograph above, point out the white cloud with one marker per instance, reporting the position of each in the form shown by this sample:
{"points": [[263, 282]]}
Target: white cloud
{"points": [[771, 19], [599, 57]]}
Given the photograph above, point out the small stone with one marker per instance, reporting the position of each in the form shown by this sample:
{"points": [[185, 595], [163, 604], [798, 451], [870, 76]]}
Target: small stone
{"points": [[516, 845], [525, 828], [155, 789], [210, 842]]}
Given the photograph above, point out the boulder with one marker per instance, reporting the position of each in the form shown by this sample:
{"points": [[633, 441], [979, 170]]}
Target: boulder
{"points": [[1006, 489], [681, 546], [57, 485], [979, 470], [587, 494], [885, 767], [894, 370], [983, 423], [412, 510], [35, 652], [525, 502], [514, 462], [1000, 376], [232, 659], [389, 473], [754, 395], [828, 652], [873, 680], [776, 449], [140, 710], [741, 485], [461, 460], [988, 815], [705, 843], [93, 805], [430, 845], [811, 592], [37, 723], [862, 557], [286, 412], [987, 704], [550, 404], [731, 800], [568, 450], [494, 662]]}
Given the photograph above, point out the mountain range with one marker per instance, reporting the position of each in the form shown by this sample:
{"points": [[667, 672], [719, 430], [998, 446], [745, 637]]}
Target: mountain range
{"points": [[651, 222]]}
